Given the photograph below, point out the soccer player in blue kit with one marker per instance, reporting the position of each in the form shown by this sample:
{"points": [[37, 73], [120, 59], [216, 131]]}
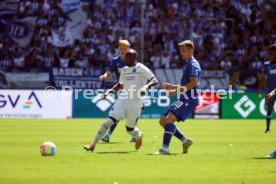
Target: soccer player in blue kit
{"points": [[269, 96], [115, 66], [269, 69], [185, 105]]}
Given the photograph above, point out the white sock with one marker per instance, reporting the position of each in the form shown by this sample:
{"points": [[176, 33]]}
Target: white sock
{"points": [[102, 130], [135, 133]]}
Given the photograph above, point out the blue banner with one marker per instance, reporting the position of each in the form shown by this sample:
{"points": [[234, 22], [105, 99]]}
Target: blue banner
{"points": [[21, 30], [79, 78]]}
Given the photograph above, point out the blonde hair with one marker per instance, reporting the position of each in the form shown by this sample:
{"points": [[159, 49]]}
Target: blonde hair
{"points": [[187, 43], [124, 43], [272, 47]]}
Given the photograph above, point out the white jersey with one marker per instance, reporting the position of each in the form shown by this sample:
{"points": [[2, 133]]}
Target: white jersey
{"points": [[134, 78]]}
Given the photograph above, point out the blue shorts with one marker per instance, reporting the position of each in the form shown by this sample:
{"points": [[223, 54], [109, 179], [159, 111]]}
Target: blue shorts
{"points": [[181, 109], [270, 102]]}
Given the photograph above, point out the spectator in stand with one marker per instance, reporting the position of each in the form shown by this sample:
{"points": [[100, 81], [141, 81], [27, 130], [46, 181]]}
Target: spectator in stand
{"points": [[215, 27], [48, 60], [81, 61], [19, 60], [32, 60], [64, 58], [6, 61], [156, 60], [256, 64], [1, 44], [225, 64], [165, 60]]}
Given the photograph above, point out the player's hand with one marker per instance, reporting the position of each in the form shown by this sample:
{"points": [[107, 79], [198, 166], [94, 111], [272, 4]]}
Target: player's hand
{"points": [[167, 86], [142, 91], [104, 96], [171, 93], [259, 92], [270, 95], [103, 77]]}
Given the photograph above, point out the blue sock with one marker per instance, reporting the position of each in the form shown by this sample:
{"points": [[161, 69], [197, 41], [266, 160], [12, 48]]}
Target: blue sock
{"points": [[179, 134], [169, 130], [268, 119], [112, 128]]}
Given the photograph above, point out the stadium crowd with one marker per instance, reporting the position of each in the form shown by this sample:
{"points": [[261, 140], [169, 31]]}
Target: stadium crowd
{"points": [[228, 34]]}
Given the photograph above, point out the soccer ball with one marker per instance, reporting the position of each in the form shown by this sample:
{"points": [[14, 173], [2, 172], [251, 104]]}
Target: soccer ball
{"points": [[48, 149]]}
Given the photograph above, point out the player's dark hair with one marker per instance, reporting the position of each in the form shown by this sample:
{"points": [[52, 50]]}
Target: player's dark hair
{"points": [[132, 52]]}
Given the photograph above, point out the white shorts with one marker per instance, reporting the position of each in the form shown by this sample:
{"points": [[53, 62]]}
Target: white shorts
{"points": [[127, 109]]}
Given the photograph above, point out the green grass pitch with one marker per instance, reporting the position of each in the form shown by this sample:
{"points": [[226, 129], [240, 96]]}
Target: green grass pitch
{"points": [[224, 151]]}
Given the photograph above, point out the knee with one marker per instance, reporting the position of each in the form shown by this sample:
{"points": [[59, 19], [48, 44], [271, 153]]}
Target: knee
{"points": [[109, 122], [162, 121]]}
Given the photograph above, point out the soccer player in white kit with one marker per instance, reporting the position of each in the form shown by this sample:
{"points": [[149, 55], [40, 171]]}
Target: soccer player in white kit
{"points": [[135, 80]]}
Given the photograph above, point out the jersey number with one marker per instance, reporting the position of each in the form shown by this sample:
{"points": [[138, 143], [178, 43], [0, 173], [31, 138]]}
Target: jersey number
{"points": [[178, 104]]}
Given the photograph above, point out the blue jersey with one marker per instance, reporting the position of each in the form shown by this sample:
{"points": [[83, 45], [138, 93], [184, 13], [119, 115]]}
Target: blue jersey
{"points": [[191, 69], [188, 101], [116, 65], [270, 71]]}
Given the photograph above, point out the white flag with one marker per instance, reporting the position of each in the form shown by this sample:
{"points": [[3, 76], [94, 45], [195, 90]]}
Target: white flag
{"points": [[62, 37], [78, 23]]}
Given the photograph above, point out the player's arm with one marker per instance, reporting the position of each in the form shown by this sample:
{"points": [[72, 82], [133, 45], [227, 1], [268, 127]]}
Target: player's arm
{"points": [[262, 79], [106, 75], [271, 94], [114, 89], [152, 82], [173, 89], [261, 84]]}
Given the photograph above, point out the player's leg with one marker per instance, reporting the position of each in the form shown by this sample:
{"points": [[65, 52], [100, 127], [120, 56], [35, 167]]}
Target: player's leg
{"points": [[270, 104], [179, 111], [168, 132], [177, 133], [106, 138], [116, 113], [133, 139], [102, 130], [132, 115], [268, 118], [135, 132], [136, 123]]}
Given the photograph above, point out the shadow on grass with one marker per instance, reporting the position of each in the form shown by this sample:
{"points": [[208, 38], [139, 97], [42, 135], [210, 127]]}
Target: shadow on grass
{"points": [[152, 154], [263, 158], [116, 152], [110, 142]]}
